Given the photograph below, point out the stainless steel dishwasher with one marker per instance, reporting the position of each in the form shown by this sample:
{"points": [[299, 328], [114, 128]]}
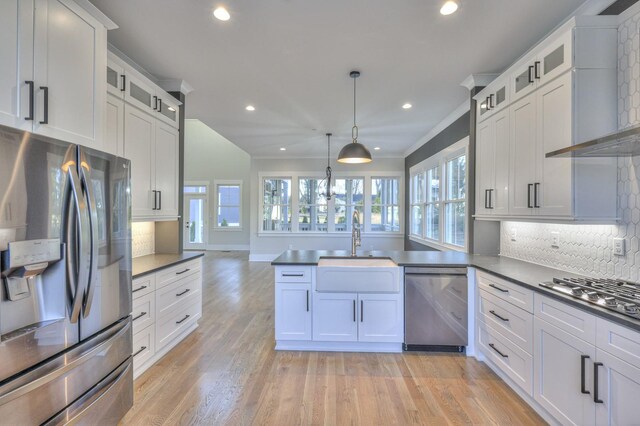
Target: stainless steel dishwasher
{"points": [[435, 309]]}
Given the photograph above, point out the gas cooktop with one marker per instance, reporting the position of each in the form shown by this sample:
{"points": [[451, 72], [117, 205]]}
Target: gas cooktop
{"points": [[616, 295]]}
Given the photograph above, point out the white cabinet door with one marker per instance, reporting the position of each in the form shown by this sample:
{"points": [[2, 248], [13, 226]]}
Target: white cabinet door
{"points": [[116, 78], [554, 59], [166, 169], [335, 317], [16, 51], [618, 389], [168, 109], [380, 318], [139, 130], [554, 181], [523, 156], [557, 370], [114, 134], [293, 311], [140, 92], [484, 165], [499, 197], [70, 58], [523, 79]]}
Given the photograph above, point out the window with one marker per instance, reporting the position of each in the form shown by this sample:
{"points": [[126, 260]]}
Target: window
{"points": [[296, 203], [228, 204], [385, 213], [276, 212], [349, 197], [312, 206], [439, 198]]}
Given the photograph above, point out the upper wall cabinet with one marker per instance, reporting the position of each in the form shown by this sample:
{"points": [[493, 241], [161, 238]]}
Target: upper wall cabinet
{"points": [[562, 93], [130, 85], [496, 96], [52, 74]]}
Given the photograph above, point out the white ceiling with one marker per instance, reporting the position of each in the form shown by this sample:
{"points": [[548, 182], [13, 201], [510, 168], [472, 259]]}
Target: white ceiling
{"points": [[291, 60]]}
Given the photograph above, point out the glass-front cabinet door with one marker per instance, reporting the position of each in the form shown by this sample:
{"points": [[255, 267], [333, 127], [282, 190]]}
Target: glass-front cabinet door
{"points": [[168, 109], [140, 93], [523, 79], [555, 59], [116, 79]]}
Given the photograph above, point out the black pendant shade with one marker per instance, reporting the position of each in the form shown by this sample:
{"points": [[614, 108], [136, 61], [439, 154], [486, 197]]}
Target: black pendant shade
{"points": [[354, 153]]}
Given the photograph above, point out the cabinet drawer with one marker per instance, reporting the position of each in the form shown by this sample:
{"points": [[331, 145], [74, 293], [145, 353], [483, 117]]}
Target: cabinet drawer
{"points": [[144, 346], [177, 272], [174, 294], [171, 325], [578, 323], [505, 290], [144, 312], [506, 355], [143, 286], [293, 274], [619, 341], [514, 323]]}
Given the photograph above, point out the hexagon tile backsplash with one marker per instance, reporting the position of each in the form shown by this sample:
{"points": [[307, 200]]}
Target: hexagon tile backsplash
{"points": [[588, 249]]}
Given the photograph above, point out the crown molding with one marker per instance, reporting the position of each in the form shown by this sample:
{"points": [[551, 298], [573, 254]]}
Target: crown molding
{"points": [[176, 85], [478, 80]]}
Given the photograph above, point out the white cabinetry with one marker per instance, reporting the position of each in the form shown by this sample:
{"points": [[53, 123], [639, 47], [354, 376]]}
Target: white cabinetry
{"points": [[335, 317], [492, 172], [114, 134], [293, 303], [52, 77], [166, 307], [381, 318]]}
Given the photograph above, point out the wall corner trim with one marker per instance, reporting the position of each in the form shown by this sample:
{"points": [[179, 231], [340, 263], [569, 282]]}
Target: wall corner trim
{"points": [[176, 85]]}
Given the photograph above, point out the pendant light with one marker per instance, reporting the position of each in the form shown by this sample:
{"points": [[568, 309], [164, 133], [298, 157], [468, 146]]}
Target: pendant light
{"points": [[354, 152], [329, 191]]}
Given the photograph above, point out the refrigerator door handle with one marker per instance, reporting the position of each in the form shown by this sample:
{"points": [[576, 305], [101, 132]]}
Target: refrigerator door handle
{"points": [[77, 274], [85, 177]]}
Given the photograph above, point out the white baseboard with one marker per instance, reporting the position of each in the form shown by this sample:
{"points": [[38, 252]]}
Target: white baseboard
{"points": [[230, 247], [262, 257], [308, 345]]}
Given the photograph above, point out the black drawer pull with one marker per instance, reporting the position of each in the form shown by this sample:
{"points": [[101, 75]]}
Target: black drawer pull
{"points": [[182, 272], [183, 319], [31, 100], [293, 275], [498, 288], [123, 78], [138, 289], [596, 397], [498, 316], [139, 350], [139, 316], [582, 374], [45, 113], [500, 353], [183, 293]]}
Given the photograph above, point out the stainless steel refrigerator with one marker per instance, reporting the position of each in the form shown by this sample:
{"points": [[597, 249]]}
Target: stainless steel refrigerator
{"points": [[65, 291]]}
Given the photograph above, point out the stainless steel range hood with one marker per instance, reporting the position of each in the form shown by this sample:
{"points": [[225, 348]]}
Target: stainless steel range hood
{"points": [[623, 143]]}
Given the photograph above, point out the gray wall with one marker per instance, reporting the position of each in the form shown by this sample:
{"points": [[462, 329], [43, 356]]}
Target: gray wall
{"points": [[208, 157]]}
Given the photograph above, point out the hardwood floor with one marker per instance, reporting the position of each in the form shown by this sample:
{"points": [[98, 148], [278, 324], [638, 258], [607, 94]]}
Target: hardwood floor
{"points": [[227, 372]]}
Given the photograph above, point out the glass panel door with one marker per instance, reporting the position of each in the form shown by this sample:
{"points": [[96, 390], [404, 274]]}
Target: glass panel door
{"points": [[196, 224]]}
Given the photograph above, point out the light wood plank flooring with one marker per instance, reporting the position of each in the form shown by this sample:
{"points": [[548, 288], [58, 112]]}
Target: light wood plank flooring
{"points": [[227, 372]]}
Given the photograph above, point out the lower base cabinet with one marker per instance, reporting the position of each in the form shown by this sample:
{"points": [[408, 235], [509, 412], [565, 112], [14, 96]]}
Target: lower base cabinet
{"points": [[166, 307], [293, 311], [618, 389]]}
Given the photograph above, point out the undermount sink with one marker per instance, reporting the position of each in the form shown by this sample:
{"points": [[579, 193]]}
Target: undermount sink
{"points": [[357, 275]]}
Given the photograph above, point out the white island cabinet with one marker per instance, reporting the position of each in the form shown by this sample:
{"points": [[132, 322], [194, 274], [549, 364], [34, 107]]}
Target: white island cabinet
{"points": [[308, 319]]}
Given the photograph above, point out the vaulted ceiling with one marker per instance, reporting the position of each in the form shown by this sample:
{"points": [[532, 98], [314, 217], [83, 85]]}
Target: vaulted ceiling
{"points": [[291, 60]]}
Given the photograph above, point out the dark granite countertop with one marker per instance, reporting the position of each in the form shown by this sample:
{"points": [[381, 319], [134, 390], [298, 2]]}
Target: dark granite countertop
{"points": [[517, 271], [154, 262]]}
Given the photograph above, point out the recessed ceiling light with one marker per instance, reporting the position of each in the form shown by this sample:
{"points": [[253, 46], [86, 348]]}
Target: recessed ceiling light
{"points": [[283, 149], [449, 7], [406, 106], [221, 14], [377, 148], [250, 108]]}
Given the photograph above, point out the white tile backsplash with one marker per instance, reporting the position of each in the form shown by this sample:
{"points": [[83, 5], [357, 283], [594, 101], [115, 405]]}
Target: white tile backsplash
{"points": [[143, 238], [588, 249]]}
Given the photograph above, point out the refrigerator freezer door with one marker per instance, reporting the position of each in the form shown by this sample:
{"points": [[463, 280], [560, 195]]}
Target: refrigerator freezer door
{"points": [[36, 396], [106, 185], [33, 191]]}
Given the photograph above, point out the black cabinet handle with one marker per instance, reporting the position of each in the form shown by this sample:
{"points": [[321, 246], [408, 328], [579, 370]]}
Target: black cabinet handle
{"points": [[159, 105], [362, 311], [531, 74], [155, 103], [491, 199], [498, 316], [486, 197], [183, 293], [183, 319], [354, 310], [45, 118], [293, 275], [500, 353], [123, 79], [536, 189], [536, 67], [182, 272], [596, 399], [307, 300], [159, 200], [31, 97], [139, 316], [155, 199], [491, 101], [139, 351], [498, 288], [138, 289], [529, 187], [582, 374]]}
